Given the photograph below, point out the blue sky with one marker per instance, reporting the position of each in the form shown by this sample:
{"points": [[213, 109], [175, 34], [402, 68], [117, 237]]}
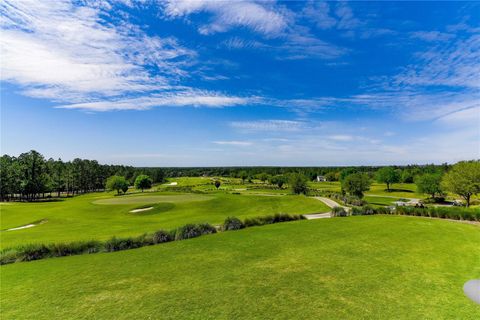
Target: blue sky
{"points": [[207, 83]]}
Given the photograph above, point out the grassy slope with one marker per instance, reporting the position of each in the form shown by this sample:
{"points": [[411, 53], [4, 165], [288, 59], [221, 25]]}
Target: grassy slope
{"points": [[80, 218], [386, 267]]}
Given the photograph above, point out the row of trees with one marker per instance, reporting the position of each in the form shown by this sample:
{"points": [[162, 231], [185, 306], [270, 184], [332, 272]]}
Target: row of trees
{"points": [[462, 179], [30, 176], [407, 173]]}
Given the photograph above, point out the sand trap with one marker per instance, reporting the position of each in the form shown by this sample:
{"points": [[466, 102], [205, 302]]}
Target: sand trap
{"points": [[171, 184], [472, 290], [31, 225], [140, 210]]}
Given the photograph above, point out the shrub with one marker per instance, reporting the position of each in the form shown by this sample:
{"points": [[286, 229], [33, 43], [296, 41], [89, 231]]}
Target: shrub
{"points": [[339, 212], [250, 222], [31, 252], [74, 248], [187, 231], [356, 211], [206, 228], [368, 210], [117, 244], [8, 256], [162, 236], [232, 223]]}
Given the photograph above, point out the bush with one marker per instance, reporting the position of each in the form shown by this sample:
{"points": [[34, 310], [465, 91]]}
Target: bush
{"points": [[31, 252], [117, 244], [162, 236], [339, 212], [232, 223], [8, 256], [74, 248], [206, 228], [278, 217], [188, 231], [356, 211], [250, 222]]}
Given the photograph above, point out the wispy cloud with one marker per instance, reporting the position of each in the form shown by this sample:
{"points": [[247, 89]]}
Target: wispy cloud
{"points": [[341, 137], [66, 52], [268, 125], [234, 143], [277, 24], [432, 36], [259, 17], [191, 98], [453, 64]]}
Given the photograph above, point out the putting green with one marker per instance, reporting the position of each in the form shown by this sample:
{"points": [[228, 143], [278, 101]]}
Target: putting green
{"points": [[153, 199]]}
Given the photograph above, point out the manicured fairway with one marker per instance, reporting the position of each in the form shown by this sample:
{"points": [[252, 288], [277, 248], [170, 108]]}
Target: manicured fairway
{"points": [[143, 199], [101, 216], [370, 267]]}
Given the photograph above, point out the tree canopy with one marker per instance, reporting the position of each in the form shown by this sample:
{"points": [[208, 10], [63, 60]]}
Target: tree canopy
{"points": [[143, 182], [117, 183], [429, 183], [463, 179], [356, 184], [298, 183], [387, 175], [278, 180]]}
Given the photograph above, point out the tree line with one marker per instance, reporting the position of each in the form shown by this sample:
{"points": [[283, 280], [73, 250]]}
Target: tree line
{"points": [[30, 176], [406, 173]]}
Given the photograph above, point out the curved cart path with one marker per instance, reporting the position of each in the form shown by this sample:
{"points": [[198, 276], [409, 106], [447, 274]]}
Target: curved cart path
{"points": [[329, 202]]}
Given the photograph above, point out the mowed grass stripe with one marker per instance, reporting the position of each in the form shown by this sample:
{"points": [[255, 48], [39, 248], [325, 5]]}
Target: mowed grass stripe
{"points": [[379, 267]]}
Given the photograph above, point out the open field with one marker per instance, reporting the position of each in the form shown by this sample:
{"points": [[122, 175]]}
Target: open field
{"points": [[100, 216], [358, 267]]}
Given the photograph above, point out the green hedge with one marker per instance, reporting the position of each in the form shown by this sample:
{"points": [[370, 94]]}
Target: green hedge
{"points": [[455, 213]]}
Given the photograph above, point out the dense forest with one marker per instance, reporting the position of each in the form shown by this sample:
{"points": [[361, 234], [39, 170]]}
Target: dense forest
{"points": [[30, 176]]}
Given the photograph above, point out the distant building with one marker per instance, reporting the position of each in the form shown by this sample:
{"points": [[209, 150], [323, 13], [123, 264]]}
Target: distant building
{"points": [[321, 179]]}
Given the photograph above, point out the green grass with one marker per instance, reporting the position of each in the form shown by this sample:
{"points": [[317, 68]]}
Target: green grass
{"points": [[400, 190], [376, 267], [381, 201], [100, 216]]}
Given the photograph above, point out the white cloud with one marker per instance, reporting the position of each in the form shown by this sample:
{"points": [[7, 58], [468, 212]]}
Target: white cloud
{"points": [[268, 125], [319, 12], [66, 52], [341, 137], [167, 99], [234, 143], [259, 17], [455, 64], [347, 20], [274, 22], [463, 118], [60, 49], [432, 36]]}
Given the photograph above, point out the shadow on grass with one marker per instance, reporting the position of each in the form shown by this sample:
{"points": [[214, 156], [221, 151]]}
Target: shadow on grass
{"points": [[398, 190]]}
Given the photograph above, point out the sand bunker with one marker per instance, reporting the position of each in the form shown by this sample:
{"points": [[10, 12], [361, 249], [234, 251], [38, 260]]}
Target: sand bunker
{"points": [[140, 210], [30, 225]]}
